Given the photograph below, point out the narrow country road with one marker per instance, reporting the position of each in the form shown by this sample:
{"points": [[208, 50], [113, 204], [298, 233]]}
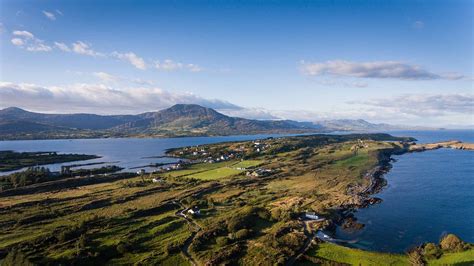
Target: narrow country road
{"points": [[196, 228], [305, 247]]}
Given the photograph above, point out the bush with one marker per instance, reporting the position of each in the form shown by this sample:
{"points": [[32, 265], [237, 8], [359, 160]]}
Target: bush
{"points": [[415, 257], [222, 241], [275, 214], [236, 223], [123, 248], [431, 251], [242, 234], [16, 257], [172, 248], [451, 242]]}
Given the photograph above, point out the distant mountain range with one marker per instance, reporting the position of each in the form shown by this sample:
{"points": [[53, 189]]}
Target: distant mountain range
{"points": [[178, 120]]}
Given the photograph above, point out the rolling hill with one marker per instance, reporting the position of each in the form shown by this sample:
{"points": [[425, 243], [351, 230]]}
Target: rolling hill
{"points": [[178, 120]]}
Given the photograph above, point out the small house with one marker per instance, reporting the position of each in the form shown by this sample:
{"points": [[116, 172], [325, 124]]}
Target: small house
{"points": [[311, 216], [194, 211]]}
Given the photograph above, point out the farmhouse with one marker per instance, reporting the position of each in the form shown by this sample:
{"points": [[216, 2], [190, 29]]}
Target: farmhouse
{"points": [[194, 211], [311, 216]]}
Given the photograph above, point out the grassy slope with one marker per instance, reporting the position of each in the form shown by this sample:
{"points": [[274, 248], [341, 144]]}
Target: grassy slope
{"points": [[460, 258], [341, 254], [333, 252]]}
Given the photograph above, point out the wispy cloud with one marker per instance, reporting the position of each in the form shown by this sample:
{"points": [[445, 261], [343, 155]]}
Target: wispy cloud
{"points": [[97, 98], [29, 42], [425, 104], [49, 15], [62, 46], [131, 58], [170, 65], [375, 69], [106, 77], [26, 40], [83, 48]]}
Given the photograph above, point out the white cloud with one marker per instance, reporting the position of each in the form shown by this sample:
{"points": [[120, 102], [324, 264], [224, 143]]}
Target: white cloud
{"points": [[84, 49], [39, 46], [375, 69], [49, 15], [59, 12], [29, 42], [62, 46], [97, 98], [106, 77], [23, 33], [170, 65], [132, 58], [18, 42]]}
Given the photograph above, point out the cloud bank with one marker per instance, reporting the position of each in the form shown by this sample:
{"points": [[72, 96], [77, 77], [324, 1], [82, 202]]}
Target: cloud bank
{"points": [[425, 105], [97, 98], [376, 69]]}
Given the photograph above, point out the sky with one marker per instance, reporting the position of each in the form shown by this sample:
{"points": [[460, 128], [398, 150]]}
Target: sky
{"points": [[398, 62]]}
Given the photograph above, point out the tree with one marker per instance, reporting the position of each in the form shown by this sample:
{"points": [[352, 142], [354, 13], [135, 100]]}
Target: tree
{"points": [[451, 242], [415, 257], [431, 251]]}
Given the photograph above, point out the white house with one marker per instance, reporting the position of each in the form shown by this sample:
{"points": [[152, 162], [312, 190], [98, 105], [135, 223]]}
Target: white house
{"points": [[194, 211], [311, 216]]}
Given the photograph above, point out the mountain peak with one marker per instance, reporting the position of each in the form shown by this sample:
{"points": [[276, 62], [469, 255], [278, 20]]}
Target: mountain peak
{"points": [[184, 107], [13, 110], [190, 110]]}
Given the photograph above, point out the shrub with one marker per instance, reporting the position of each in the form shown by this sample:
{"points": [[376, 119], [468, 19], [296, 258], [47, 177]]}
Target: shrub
{"points": [[222, 241], [451, 242], [123, 248], [242, 234], [172, 248], [16, 257], [275, 214], [415, 257], [431, 251]]}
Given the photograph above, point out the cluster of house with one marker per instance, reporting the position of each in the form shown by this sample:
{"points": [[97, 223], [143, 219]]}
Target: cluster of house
{"points": [[195, 151], [259, 146], [217, 159], [360, 145], [259, 172]]}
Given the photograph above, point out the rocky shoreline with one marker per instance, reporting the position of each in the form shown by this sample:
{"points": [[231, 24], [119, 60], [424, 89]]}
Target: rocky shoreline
{"points": [[345, 216]]}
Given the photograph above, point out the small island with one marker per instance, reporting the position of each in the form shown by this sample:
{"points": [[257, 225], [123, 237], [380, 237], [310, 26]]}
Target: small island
{"points": [[11, 160]]}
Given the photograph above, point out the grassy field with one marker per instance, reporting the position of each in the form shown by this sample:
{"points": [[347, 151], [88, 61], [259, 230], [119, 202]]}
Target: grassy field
{"points": [[333, 252], [459, 258], [212, 171]]}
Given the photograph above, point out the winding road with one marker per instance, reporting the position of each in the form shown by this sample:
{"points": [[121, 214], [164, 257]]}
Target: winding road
{"points": [[196, 228]]}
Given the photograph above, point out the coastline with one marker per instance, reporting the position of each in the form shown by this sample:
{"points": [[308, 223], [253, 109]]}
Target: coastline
{"points": [[377, 182]]}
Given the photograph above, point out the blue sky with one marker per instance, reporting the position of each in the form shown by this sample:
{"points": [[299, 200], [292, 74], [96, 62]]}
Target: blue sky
{"points": [[404, 62]]}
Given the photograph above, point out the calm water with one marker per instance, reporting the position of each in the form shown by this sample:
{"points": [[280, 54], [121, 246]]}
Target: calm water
{"points": [[428, 194], [127, 152]]}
